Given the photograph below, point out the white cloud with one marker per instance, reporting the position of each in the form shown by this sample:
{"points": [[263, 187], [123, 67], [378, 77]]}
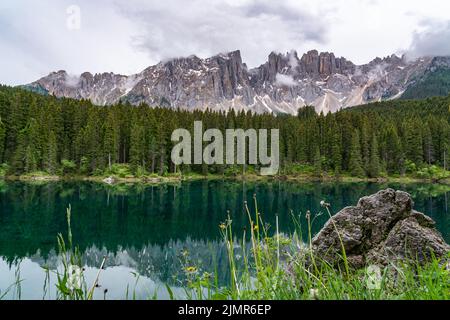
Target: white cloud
{"points": [[203, 27], [293, 59], [35, 40], [433, 40], [285, 80], [126, 36]]}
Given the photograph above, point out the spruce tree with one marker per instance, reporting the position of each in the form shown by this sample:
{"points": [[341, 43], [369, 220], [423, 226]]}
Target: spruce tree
{"points": [[317, 162], [137, 146], [355, 159], [374, 162], [2, 139], [52, 154]]}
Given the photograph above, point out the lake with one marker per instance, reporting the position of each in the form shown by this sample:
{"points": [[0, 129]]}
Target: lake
{"points": [[151, 233]]}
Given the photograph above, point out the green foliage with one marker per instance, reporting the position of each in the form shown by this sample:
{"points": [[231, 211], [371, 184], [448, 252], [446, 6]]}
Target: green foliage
{"points": [[430, 172], [317, 163], [410, 167], [436, 83], [282, 267], [355, 161], [3, 169], [120, 170], [71, 281], [43, 133], [68, 167], [51, 158], [2, 138], [373, 169]]}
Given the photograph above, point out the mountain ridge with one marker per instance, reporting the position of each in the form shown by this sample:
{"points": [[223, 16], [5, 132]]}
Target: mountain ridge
{"points": [[283, 84]]}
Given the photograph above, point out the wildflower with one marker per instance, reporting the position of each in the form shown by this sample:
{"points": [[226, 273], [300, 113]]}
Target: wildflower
{"points": [[256, 228], [308, 215], [185, 253], [74, 280], [190, 269], [314, 294], [324, 204], [222, 226]]}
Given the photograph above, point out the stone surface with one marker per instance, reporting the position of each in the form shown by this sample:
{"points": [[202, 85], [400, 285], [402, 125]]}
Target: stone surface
{"points": [[382, 228], [109, 180]]}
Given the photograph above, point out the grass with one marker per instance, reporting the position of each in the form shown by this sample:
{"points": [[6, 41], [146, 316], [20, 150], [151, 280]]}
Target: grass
{"points": [[265, 264], [71, 282], [281, 267]]}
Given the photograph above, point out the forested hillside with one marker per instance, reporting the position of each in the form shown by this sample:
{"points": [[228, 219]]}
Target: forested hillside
{"points": [[435, 84], [65, 136]]}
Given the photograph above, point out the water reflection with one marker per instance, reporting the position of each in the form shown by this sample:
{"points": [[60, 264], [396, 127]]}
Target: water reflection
{"points": [[145, 229]]}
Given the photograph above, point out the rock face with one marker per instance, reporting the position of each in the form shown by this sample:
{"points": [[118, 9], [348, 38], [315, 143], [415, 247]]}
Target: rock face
{"points": [[283, 84], [382, 228]]}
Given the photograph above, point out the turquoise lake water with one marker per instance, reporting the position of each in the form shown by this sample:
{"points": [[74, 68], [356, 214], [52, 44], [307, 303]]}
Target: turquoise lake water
{"points": [[145, 229]]}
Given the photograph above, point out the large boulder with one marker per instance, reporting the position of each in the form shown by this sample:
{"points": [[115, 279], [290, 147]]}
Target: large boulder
{"points": [[382, 228]]}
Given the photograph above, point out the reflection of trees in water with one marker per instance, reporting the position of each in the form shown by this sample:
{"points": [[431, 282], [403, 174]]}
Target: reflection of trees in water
{"points": [[132, 216]]}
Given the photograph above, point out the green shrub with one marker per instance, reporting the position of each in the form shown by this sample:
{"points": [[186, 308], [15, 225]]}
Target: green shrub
{"points": [[68, 166], [140, 172], [410, 166], [431, 172], [84, 165], [3, 169], [120, 170]]}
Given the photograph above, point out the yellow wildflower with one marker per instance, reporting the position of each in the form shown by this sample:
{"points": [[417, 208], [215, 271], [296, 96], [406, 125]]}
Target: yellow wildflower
{"points": [[190, 269]]}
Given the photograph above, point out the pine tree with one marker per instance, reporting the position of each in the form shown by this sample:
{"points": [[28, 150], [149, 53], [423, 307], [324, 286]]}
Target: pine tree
{"points": [[27, 155], [37, 131], [317, 162], [336, 150], [374, 162], [2, 140], [365, 143], [52, 154], [111, 142], [355, 159], [413, 142], [428, 145], [393, 154], [30, 161], [137, 147]]}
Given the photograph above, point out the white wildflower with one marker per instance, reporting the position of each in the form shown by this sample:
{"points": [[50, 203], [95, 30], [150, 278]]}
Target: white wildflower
{"points": [[314, 294], [74, 280]]}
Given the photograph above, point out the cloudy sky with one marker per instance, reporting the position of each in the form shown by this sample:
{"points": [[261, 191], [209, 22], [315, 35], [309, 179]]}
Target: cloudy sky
{"points": [[126, 36]]}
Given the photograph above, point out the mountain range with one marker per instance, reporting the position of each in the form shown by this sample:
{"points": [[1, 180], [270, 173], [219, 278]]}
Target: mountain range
{"points": [[283, 84]]}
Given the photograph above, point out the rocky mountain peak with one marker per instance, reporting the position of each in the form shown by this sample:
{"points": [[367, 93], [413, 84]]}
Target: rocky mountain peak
{"points": [[283, 84]]}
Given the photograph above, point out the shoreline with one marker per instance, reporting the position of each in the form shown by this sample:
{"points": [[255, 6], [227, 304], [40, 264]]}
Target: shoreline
{"points": [[157, 180]]}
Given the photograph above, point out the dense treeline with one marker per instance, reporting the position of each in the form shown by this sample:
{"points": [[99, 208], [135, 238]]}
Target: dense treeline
{"points": [[65, 136], [435, 84]]}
